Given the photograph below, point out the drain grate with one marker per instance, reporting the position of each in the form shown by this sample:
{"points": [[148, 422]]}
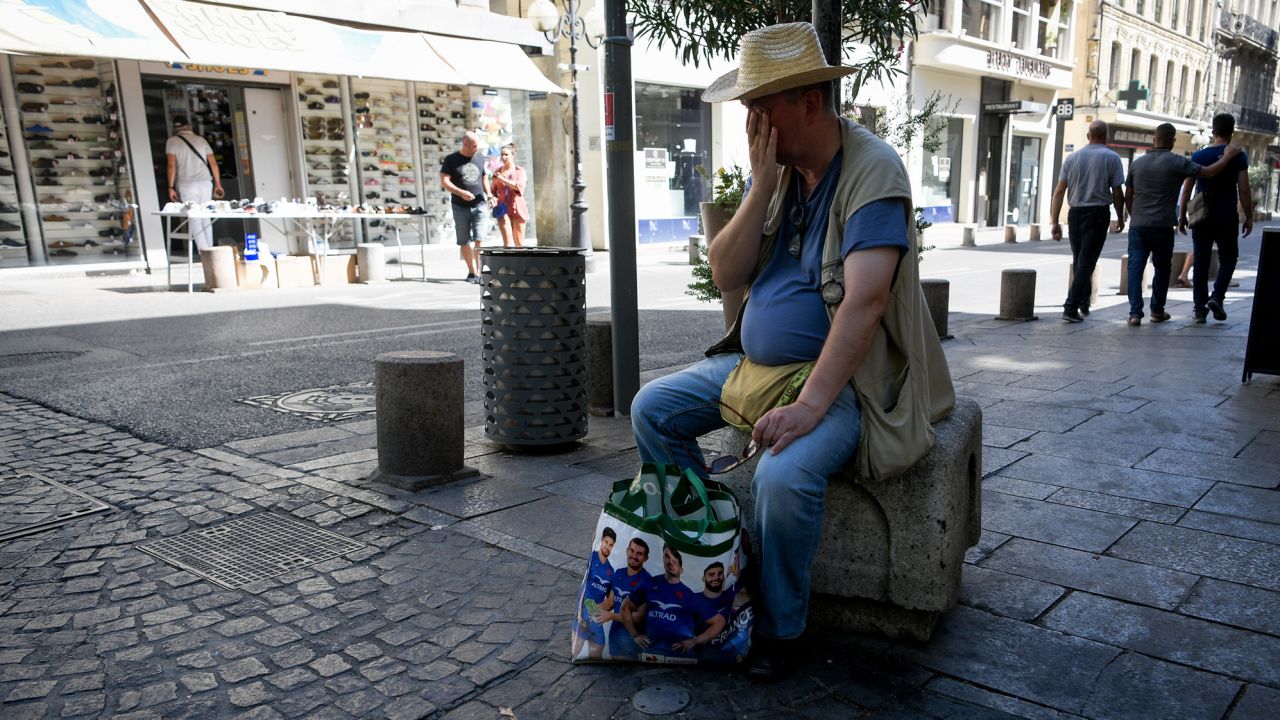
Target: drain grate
{"points": [[31, 503], [238, 552], [35, 358], [326, 404]]}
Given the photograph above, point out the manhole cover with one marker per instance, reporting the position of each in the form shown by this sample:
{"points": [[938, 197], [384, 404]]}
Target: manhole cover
{"points": [[661, 699], [33, 358], [244, 550], [326, 404], [31, 503]]}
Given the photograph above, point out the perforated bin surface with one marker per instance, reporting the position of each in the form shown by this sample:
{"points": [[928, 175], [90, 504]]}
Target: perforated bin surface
{"points": [[534, 332], [238, 552]]}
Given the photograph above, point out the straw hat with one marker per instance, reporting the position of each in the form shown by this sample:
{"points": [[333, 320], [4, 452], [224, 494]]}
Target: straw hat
{"points": [[775, 58]]}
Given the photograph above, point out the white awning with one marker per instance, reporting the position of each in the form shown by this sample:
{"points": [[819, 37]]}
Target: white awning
{"points": [[219, 35], [492, 64], [96, 28]]}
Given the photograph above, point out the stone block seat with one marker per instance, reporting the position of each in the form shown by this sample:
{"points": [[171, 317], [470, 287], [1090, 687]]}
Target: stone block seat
{"points": [[892, 551]]}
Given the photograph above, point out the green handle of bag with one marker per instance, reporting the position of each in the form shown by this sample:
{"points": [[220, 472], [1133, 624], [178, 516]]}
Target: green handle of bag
{"points": [[656, 500]]}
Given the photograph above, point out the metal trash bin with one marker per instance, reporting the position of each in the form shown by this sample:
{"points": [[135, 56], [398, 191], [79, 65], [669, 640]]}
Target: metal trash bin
{"points": [[534, 329]]}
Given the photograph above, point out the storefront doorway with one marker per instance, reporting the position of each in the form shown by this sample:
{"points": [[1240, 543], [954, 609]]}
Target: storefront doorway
{"points": [[1023, 197], [246, 128]]}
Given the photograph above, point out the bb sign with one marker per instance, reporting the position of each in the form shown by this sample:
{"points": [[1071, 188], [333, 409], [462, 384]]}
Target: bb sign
{"points": [[1065, 109]]}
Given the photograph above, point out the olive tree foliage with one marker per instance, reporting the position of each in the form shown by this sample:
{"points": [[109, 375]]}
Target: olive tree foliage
{"points": [[703, 30]]}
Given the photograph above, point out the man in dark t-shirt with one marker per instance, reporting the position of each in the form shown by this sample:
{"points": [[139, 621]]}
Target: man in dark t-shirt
{"points": [[1223, 224], [462, 175]]}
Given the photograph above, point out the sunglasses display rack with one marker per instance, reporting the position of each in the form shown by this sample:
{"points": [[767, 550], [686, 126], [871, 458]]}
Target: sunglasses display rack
{"points": [[13, 243], [71, 127], [442, 117], [384, 148], [324, 136]]}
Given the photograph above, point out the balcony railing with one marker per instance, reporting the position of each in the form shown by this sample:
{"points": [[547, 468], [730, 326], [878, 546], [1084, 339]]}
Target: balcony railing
{"points": [[1252, 120], [1246, 27]]}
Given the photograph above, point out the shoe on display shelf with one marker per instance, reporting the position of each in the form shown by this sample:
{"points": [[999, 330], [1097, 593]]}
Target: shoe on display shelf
{"points": [[6, 226], [62, 244], [7, 208], [63, 252], [56, 218], [84, 64], [32, 88], [27, 71], [38, 128], [11, 243], [33, 107]]}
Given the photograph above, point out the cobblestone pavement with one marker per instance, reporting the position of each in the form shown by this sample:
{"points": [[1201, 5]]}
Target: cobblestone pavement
{"points": [[1128, 565]]}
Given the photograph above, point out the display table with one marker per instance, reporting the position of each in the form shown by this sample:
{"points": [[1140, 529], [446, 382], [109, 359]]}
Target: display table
{"points": [[317, 226]]}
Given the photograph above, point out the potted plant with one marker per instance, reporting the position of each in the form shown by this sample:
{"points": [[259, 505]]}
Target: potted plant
{"points": [[728, 186]]}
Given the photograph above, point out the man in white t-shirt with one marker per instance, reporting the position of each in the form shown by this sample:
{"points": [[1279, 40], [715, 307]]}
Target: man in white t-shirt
{"points": [[193, 176]]}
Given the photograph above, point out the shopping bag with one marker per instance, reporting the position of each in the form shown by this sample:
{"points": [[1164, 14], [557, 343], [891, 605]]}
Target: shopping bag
{"points": [[666, 578]]}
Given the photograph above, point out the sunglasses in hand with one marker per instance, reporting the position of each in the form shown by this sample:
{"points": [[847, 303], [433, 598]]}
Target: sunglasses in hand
{"points": [[731, 461]]}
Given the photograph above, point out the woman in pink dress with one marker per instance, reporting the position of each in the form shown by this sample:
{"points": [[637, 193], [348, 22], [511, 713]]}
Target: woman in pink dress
{"points": [[507, 184]]}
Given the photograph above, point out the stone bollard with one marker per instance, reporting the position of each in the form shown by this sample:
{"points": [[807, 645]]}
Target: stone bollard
{"points": [[1017, 295], [219, 265], [600, 367], [969, 236], [419, 416], [1011, 233], [695, 248], [1033, 232], [371, 262], [1124, 276], [937, 295], [1093, 292]]}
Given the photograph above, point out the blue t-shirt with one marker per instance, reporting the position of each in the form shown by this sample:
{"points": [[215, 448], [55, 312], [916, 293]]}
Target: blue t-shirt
{"points": [[705, 608], [668, 611], [623, 586], [597, 583], [1223, 188], [786, 320]]}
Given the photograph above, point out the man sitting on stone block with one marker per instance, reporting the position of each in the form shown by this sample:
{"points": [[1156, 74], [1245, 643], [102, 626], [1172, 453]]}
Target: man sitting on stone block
{"points": [[819, 265]]}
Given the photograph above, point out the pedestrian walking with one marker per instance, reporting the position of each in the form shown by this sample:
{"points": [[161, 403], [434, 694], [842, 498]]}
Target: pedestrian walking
{"points": [[508, 183], [824, 242], [462, 175], [1091, 180], [192, 172], [1151, 197], [1222, 226]]}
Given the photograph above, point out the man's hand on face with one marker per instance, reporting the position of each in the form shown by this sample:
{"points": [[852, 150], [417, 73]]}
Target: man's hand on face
{"points": [[762, 139]]}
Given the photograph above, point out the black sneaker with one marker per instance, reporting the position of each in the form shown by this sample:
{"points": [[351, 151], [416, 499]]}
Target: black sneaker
{"points": [[1215, 307], [6, 226], [471, 278], [771, 660], [1085, 311], [1199, 316], [1072, 316]]}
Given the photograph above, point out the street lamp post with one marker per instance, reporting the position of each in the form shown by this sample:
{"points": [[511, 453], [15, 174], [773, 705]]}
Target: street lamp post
{"points": [[589, 29]]}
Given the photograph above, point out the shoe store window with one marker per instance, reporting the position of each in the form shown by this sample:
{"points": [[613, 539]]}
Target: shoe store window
{"points": [[83, 187]]}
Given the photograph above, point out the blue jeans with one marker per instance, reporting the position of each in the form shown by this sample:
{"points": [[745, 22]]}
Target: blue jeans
{"points": [[789, 487], [468, 222], [1156, 242], [1087, 231], [1227, 236]]}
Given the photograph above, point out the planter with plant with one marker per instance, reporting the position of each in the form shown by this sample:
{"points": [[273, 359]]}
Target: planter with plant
{"points": [[728, 186]]}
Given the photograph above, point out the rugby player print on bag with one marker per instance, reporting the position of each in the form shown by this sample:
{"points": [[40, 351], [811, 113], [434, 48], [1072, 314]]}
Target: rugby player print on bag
{"points": [[665, 580]]}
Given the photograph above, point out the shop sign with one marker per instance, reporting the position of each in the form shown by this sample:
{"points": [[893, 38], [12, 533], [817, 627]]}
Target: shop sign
{"points": [[1013, 106], [1016, 64], [236, 28], [217, 69], [1066, 108], [1132, 138], [656, 165]]}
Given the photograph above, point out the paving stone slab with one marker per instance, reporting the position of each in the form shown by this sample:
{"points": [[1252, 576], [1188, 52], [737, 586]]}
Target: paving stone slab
{"points": [[1139, 509], [996, 701], [1000, 436], [1214, 467], [997, 392], [570, 533], [1264, 447], [1248, 503], [1209, 554], [994, 459], [295, 455], [1010, 596], [472, 498], [1233, 526], [1138, 686], [1232, 604], [1209, 433], [1020, 488], [1035, 416], [1052, 523], [591, 488], [1088, 448], [1012, 657], [1177, 638], [987, 541], [528, 470], [1110, 479], [1099, 574], [1258, 703], [284, 441], [1072, 398]]}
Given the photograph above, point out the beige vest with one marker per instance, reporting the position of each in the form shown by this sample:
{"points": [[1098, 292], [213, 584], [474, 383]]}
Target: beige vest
{"points": [[903, 383]]}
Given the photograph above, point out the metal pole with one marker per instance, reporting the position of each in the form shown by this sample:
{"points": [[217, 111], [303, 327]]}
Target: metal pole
{"points": [[580, 234], [620, 161]]}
